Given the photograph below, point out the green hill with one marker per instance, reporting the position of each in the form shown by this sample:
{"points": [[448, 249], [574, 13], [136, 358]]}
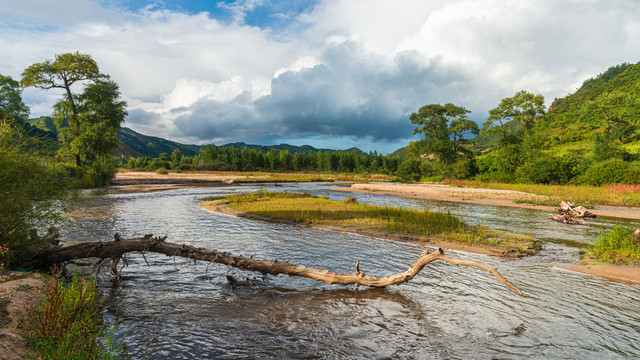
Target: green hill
{"points": [[561, 126], [133, 144], [291, 148]]}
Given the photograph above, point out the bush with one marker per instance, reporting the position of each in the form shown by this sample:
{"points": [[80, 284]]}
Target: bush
{"points": [[549, 170], [30, 186], [67, 323], [162, 171], [409, 170], [632, 175], [606, 172], [461, 169], [618, 245]]}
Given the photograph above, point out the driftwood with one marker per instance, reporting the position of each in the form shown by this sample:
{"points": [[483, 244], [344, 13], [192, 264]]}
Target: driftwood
{"points": [[116, 249], [568, 212], [568, 208], [566, 219]]}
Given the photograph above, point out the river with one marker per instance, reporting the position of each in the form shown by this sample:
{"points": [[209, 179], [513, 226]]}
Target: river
{"points": [[175, 309]]}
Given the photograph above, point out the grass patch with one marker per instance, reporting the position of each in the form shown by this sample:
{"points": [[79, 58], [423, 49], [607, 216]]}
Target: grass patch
{"points": [[418, 224], [618, 246], [612, 194], [67, 323]]}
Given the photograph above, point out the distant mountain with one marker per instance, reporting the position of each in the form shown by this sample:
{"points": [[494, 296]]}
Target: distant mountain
{"points": [[292, 148], [134, 144], [44, 123]]}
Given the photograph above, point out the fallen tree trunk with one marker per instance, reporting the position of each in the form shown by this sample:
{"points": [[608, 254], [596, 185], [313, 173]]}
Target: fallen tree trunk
{"points": [[116, 249]]}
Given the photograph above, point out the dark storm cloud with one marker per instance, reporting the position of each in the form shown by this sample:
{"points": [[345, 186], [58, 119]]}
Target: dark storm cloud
{"points": [[351, 93]]}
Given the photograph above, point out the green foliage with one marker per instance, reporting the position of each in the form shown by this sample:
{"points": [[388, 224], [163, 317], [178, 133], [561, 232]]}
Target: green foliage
{"points": [[93, 116], [547, 169], [444, 128], [162, 171], [523, 107], [409, 170], [617, 246], [606, 172], [92, 132], [632, 174], [12, 109], [617, 113], [31, 187], [67, 323]]}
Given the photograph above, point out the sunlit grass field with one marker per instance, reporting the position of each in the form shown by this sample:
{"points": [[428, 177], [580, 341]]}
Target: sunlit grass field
{"points": [[422, 224]]}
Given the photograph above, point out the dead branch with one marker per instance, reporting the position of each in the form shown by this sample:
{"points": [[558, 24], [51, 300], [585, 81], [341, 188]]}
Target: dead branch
{"points": [[116, 249]]}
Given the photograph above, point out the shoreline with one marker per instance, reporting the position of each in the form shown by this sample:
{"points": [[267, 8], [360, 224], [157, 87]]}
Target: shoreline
{"points": [[622, 273], [218, 206], [506, 198]]}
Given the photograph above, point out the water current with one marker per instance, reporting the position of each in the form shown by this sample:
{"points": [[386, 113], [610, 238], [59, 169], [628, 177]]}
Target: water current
{"points": [[171, 309]]}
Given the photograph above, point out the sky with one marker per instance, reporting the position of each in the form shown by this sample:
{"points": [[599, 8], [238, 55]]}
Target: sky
{"points": [[331, 74]]}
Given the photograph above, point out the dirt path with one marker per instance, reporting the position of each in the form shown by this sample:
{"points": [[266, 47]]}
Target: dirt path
{"points": [[15, 294], [507, 198]]}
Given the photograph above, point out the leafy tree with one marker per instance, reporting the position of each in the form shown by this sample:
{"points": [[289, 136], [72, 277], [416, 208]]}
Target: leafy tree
{"points": [[523, 107], [12, 109], [100, 115], [93, 116], [29, 186], [176, 157], [444, 128], [617, 112]]}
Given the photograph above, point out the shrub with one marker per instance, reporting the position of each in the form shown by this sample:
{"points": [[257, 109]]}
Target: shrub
{"points": [[67, 323], [409, 170], [606, 172], [30, 186], [632, 175], [162, 171], [549, 170], [618, 245]]}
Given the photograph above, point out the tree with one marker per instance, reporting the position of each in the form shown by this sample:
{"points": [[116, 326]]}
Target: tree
{"points": [[12, 109], [444, 128], [523, 107], [101, 114], [617, 112], [91, 117]]}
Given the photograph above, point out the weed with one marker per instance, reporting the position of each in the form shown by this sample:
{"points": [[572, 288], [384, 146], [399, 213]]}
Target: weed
{"points": [[617, 246], [67, 323]]}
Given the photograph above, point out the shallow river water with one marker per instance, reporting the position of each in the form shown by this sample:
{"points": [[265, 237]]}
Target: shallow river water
{"points": [[171, 310]]}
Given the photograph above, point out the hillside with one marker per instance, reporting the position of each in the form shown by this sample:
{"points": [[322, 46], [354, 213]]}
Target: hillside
{"points": [[562, 126], [134, 144], [291, 148]]}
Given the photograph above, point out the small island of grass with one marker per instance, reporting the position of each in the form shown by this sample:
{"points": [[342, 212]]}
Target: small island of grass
{"points": [[438, 229]]}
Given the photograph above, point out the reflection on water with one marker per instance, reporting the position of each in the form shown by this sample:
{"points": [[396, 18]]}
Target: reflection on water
{"points": [[171, 310]]}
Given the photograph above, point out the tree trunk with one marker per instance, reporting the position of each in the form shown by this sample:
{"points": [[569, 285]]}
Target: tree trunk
{"points": [[148, 243]]}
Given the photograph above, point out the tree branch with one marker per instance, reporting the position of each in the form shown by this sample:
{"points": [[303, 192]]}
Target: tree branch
{"points": [[148, 243]]}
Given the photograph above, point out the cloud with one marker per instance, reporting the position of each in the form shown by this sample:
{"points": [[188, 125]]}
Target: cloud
{"points": [[340, 71]]}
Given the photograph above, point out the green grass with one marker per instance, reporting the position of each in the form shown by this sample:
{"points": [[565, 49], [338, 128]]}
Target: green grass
{"points": [[618, 246], [67, 323], [422, 224]]}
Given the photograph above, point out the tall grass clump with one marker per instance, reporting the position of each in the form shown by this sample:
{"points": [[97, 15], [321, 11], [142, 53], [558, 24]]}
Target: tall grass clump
{"points": [[67, 323], [617, 246]]}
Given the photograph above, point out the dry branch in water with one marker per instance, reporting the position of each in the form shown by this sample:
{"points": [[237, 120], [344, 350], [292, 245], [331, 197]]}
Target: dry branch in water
{"points": [[148, 243]]}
